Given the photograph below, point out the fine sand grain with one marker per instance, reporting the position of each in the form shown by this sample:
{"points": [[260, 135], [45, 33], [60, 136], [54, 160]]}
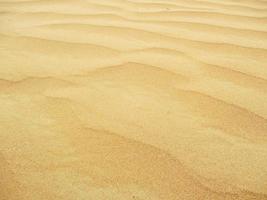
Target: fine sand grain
{"points": [[133, 99]]}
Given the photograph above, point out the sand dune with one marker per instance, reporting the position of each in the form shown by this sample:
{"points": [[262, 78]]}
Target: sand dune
{"points": [[133, 99]]}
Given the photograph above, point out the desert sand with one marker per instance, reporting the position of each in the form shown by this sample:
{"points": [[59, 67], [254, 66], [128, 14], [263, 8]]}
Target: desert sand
{"points": [[133, 99]]}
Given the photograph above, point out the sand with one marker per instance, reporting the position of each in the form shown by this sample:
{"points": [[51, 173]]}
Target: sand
{"points": [[133, 99]]}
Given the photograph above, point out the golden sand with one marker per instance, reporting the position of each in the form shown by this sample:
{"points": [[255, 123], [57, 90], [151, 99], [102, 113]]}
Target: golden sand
{"points": [[133, 99]]}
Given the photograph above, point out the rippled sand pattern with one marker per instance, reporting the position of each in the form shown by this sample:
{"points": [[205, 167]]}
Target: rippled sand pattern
{"points": [[133, 99]]}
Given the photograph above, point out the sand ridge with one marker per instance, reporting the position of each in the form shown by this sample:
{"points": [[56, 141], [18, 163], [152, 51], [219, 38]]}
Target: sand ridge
{"points": [[133, 99]]}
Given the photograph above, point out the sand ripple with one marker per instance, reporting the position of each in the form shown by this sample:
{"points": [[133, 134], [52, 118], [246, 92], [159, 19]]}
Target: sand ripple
{"points": [[133, 99]]}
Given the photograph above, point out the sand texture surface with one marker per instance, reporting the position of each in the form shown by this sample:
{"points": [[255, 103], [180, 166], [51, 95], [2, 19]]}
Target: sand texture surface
{"points": [[133, 99]]}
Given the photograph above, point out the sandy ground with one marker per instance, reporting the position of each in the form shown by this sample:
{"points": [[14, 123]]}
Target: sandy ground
{"points": [[133, 99]]}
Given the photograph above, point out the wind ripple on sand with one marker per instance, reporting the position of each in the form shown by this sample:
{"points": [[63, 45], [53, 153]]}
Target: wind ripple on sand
{"points": [[123, 99]]}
